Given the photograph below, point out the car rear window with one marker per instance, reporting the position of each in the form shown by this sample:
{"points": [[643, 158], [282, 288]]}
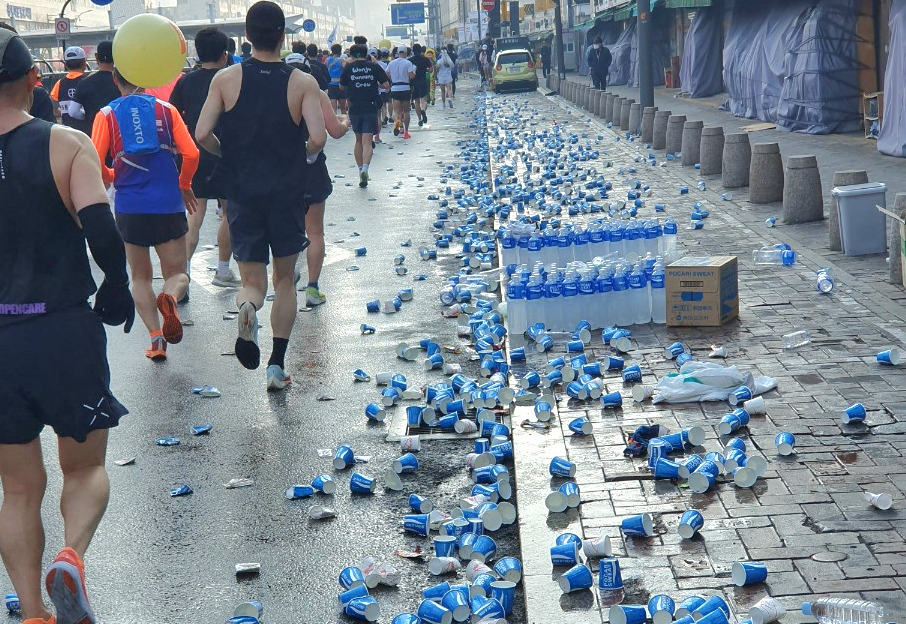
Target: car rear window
{"points": [[515, 57]]}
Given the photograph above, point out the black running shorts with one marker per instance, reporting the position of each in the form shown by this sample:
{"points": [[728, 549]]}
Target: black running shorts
{"points": [[318, 185], [419, 90], [364, 124], [54, 373], [149, 230], [335, 92], [401, 96], [267, 225]]}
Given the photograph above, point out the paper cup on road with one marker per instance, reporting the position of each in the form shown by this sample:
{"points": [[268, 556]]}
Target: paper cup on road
{"points": [[566, 554], [749, 573], [457, 602], [882, 501], [744, 477], [628, 614], [360, 591], [509, 569], [506, 510], [486, 610], [661, 608], [366, 609], [483, 549], [435, 593], [642, 392], [351, 577], [766, 610], [474, 568], [757, 464], [688, 466], [576, 578], [690, 523], [712, 604], [687, 606], [891, 357], [785, 442], [443, 565], [609, 576], [597, 547], [571, 492], [409, 444], [854, 413], [715, 617], [638, 526], [392, 480], [695, 435], [556, 502], [255, 609], [464, 426], [504, 592], [755, 406], [433, 613], [562, 467]]}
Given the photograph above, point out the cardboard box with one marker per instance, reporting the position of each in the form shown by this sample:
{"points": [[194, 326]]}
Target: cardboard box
{"points": [[702, 293]]}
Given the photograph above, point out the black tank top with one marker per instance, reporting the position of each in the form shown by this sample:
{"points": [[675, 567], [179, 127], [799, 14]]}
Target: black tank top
{"points": [[43, 262], [66, 93], [263, 148]]}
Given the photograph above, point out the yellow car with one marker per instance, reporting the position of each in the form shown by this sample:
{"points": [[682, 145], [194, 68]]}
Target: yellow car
{"points": [[514, 69]]}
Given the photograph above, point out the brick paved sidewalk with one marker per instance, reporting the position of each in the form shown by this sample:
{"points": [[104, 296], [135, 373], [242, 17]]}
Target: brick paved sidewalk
{"points": [[809, 507]]}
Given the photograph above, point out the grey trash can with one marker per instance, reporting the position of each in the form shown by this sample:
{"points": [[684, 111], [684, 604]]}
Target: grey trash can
{"points": [[863, 229]]}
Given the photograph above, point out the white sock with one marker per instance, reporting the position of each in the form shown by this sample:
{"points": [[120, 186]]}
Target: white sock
{"points": [[365, 167], [223, 267]]}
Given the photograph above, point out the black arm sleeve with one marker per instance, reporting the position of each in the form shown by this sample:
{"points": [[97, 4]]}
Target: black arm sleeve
{"points": [[105, 242]]}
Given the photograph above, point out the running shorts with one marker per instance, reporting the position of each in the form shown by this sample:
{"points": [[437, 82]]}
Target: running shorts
{"points": [[55, 373], [318, 185], [267, 225], [335, 92], [419, 90], [364, 124], [401, 96], [206, 183], [150, 230], [385, 97]]}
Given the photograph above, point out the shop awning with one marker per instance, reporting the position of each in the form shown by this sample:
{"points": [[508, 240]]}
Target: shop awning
{"points": [[686, 4]]}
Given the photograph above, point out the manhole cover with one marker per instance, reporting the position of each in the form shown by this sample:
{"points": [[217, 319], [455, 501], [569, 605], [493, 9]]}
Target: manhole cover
{"points": [[829, 556]]}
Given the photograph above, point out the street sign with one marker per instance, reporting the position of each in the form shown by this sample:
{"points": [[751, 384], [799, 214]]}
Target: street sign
{"points": [[488, 5], [397, 32], [61, 26], [407, 14], [308, 25]]}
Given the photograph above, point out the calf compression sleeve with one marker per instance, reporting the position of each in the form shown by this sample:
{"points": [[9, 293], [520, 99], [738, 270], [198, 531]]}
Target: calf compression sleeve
{"points": [[105, 242]]}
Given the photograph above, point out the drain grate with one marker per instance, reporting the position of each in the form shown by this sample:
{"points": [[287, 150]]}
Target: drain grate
{"points": [[399, 427]]}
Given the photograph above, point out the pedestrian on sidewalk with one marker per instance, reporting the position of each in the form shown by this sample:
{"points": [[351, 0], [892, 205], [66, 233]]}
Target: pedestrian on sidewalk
{"points": [[599, 60], [270, 124], [445, 66], [451, 52], [53, 202], [188, 97], [143, 136], [545, 58]]}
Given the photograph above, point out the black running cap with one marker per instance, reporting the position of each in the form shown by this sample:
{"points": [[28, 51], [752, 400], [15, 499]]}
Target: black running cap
{"points": [[104, 51], [15, 57], [264, 16]]}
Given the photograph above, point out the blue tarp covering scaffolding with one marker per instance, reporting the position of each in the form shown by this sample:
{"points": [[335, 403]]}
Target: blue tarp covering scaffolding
{"points": [[892, 138], [700, 72]]}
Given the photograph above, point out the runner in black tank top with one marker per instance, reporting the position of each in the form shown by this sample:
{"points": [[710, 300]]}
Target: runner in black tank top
{"points": [[269, 122], [54, 365]]}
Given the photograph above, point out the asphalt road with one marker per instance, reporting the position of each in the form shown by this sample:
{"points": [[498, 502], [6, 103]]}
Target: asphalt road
{"points": [[163, 559]]}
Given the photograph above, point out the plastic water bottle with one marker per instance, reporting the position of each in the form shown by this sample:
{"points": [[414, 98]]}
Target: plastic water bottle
{"points": [[774, 256], [588, 296], [796, 339], [515, 294], [640, 305], [653, 233], [844, 611], [508, 245], [564, 244], [658, 295], [670, 239], [569, 314], [534, 299], [550, 252], [824, 282], [622, 312], [604, 285], [550, 314]]}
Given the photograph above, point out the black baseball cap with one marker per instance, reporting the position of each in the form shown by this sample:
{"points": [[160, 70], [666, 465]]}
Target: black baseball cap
{"points": [[104, 52], [15, 57]]}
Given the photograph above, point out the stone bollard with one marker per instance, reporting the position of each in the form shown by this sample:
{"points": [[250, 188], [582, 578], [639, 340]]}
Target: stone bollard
{"points": [[659, 138], [590, 98], [635, 118], [617, 111], [803, 201], [624, 114], [570, 90], [692, 142], [601, 102], [841, 178], [736, 160], [711, 150], [675, 133], [584, 92], [608, 107], [895, 243], [648, 124], [766, 174]]}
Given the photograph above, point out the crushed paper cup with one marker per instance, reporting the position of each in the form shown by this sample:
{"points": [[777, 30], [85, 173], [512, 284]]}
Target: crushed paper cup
{"points": [[882, 501], [717, 352], [238, 483], [319, 512], [247, 568]]}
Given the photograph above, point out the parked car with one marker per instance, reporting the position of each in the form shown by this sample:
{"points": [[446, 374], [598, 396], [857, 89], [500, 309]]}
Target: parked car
{"points": [[514, 69]]}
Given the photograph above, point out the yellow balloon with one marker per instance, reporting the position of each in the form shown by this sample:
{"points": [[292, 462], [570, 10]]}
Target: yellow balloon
{"points": [[385, 43], [149, 50]]}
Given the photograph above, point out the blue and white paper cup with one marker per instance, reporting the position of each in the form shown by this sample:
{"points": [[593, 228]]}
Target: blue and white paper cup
{"points": [[509, 569], [504, 592], [661, 607], [673, 351], [343, 457], [351, 577], [744, 477], [562, 467], [576, 578], [485, 609], [687, 606], [691, 522], [484, 549], [581, 426], [361, 484], [375, 412], [890, 357], [517, 354], [632, 374], [359, 591], [568, 538], [434, 613], [729, 424], [366, 609], [481, 584], [742, 415], [733, 459], [609, 575], [657, 449], [715, 617], [612, 400], [703, 478], [612, 362], [417, 523], [688, 465], [420, 505], [740, 395], [749, 573], [435, 593], [298, 491], [854, 413], [414, 415], [628, 614], [565, 554], [785, 442], [406, 463], [665, 469], [444, 546], [714, 603], [457, 602], [638, 526], [11, 601], [736, 443], [571, 491]]}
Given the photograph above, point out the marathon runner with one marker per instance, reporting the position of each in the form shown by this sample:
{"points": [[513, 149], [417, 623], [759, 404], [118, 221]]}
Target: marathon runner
{"points": [[270, 123], [362, 80], [65, 88], [401, 72], [97, 89], [335, 66], [143, 136], [423, 66], [53, 202]]}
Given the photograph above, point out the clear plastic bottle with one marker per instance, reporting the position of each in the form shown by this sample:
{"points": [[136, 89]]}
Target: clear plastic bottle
{"points": [[551, 303], [515, 294], [638, 296], [622, 310], [604, 286], [588, 296], [824, 281], [658, 295], [669, 248], [774, 256], [508, 247], [565, 249], [796, 339], [581, 248], [844, 611], [569, 312], [534, 299], [535, 247]]}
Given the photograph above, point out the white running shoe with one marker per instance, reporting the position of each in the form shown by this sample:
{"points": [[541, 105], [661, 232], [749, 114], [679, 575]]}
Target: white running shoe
{"points": [[277, 379], [227, 280]]}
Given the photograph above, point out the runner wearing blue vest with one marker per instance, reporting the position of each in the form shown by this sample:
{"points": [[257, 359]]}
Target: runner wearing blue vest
{"points": [[335, 65]]}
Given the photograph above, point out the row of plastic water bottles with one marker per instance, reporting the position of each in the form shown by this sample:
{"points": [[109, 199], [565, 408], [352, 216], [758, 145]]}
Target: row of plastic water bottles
{"points": [[523, 243], [605, 294]]}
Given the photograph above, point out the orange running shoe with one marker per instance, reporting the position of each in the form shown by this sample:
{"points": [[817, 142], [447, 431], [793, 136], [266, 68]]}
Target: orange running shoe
{"points": [[172, 326], [158, 349], [51, 620], [65, 583]]}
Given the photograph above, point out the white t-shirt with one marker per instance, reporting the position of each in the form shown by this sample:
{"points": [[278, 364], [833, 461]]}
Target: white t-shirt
{"points": [[384, 66], [398, 70]]}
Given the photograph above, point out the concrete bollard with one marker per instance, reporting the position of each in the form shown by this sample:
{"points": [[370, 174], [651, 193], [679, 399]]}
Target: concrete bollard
{"points": [[590, 96], [766, 174], [608, 107], [675, 133], [648, 124], [711, 150], [617, 111], [803, 201], [584, 92], [692, 142], [659, 137], [635, 118], [895, 243], [841, 178], [737, 160], [601, 98], [624, 114], [570, 90]]}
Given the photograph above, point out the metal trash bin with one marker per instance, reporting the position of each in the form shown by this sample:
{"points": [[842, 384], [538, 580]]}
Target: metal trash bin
{"points": [[863, 229]]}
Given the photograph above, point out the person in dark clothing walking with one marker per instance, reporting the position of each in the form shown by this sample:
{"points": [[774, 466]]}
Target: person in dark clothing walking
{"points": [[451, 52], [97, 89], [599, 60], [545, 59]]}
